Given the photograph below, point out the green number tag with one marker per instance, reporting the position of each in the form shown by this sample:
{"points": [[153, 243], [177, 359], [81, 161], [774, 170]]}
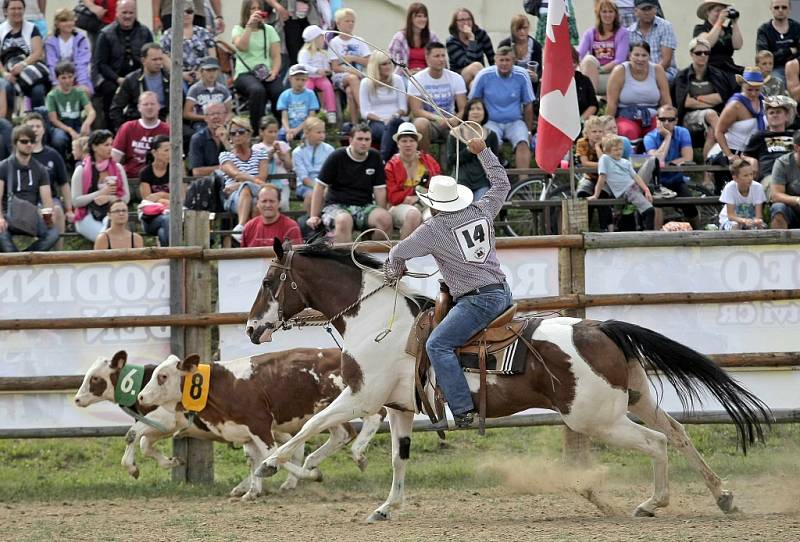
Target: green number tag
{"points": [[129, 384]]}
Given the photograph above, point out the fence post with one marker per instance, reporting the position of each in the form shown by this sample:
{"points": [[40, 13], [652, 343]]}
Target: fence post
{"points": [[198, 455], [574, 220]]}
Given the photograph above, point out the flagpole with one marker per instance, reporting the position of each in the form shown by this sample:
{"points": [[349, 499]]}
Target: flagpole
{"points": [[571, 173]]}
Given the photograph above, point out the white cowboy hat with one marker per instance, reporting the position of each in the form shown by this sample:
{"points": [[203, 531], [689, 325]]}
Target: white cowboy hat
{"points": [[407, 129], [445, 194]]}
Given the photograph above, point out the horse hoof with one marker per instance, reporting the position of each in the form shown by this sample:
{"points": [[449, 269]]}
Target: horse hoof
{"points": [[642, 513], [249, 496], [237, 493], [725, 503], [377, 516], [362, 463], [134, 472], [316, 474], [265, 471]]}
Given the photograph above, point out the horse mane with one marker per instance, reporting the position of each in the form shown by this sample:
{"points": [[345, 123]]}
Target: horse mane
{"points": [[343, 256], [339, 255]]}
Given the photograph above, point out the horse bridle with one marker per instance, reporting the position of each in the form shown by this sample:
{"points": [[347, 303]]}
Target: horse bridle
{"points": [[279, 295]]}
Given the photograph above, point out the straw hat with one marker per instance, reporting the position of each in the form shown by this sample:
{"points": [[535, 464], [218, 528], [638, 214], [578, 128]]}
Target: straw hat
{"points": [[705, 5], [445, 194], [407, 129], [752, 76], [784, 102]]}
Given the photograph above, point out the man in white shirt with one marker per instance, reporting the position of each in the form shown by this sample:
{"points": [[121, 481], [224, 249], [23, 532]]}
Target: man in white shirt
{"points": [[448, 90]]}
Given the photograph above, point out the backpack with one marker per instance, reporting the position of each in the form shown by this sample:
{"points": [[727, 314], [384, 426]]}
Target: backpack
{"points": [[205, 194]]}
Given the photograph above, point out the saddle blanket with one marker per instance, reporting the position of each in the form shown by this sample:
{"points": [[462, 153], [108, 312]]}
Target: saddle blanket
{"points": [[510, 360]]}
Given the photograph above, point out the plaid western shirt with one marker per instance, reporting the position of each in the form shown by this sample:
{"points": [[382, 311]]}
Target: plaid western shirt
{"points": [[661, 35], [461, 242]]}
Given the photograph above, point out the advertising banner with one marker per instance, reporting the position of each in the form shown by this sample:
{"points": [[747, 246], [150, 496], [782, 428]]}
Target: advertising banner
{"points": [[134, 288], [709, 328]]}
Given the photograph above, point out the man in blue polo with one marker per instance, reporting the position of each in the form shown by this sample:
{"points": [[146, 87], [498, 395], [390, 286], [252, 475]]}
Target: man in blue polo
{"points": [[507, 93], [670, 145]]}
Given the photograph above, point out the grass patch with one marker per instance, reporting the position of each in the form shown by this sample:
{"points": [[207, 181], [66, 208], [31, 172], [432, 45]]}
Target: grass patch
{"points": [[85, 469]]}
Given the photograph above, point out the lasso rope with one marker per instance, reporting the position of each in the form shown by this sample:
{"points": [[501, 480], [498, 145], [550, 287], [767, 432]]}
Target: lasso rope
{"points": [[397, 291], [425, 97]]}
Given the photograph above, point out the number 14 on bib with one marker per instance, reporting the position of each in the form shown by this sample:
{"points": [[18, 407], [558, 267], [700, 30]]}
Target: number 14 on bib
{"points": [[473, 240]]}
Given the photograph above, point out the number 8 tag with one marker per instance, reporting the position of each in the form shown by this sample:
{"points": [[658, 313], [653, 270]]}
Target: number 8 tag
{"points": [[195, 388], [129, 384]]}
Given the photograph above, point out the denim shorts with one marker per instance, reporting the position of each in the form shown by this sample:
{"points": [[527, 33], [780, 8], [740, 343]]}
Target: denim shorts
{"points": [[232, 203]]}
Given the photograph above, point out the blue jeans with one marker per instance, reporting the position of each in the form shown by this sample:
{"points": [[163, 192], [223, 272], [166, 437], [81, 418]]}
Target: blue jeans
{"points": [[5, 138], [37, 94], [383, 132], [470, 314], [157, 225], [45, 239], [61, 141]]}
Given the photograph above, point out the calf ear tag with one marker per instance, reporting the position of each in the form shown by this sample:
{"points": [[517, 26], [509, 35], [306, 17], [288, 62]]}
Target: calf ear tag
{"points": [[129, 384], [195, 388]]}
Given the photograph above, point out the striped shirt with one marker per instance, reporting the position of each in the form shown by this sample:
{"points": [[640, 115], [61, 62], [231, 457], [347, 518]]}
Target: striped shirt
{"points": [[250, 166], [461, 242]]}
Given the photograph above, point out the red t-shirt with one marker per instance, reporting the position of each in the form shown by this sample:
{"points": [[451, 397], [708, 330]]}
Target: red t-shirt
{"points": [[258, 234], [111, 10], [416, 58], [133, 141]]}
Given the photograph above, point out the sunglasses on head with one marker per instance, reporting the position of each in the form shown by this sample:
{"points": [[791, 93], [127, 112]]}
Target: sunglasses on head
{"points": [[667, 119], [240, 131]]}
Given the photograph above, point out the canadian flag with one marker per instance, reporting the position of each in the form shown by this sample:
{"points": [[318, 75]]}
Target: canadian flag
{"points": [[559, 118]]}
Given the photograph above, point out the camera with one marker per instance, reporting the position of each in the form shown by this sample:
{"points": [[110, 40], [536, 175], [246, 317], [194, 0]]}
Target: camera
{"points": [[733, 13]]}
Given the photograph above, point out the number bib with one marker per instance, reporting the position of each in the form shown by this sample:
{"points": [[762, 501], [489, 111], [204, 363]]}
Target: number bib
{"points": [[473, 240], [129, 384], [195, 388]]}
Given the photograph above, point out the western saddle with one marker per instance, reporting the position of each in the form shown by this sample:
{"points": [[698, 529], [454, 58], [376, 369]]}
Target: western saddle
{"points": [[502, 331]]}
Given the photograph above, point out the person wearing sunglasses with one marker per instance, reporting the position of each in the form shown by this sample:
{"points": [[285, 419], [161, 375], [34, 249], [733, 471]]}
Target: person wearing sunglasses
{"points": [[198, 43], [700, 91], [669, 144], [780, 35], [245, 172], [26, 179], [720, 27], [162, 13]]}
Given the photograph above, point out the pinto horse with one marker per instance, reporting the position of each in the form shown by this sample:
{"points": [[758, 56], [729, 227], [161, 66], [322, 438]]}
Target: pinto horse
{"points": [[592, 373]]}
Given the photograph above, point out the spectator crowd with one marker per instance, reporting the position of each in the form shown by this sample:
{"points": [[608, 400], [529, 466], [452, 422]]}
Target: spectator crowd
{"points": [[85, 93]]}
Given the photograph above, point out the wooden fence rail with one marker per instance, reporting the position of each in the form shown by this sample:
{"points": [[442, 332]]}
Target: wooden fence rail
{"points": [[780, 416], [20, 384]]}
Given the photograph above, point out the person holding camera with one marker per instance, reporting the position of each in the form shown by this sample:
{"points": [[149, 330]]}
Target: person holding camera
{"points": [[721, 30], [780, 36], [258, 61]]}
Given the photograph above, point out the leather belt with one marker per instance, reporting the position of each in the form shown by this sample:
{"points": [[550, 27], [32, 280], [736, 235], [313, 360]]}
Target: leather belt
{"points": [[487, 288]]}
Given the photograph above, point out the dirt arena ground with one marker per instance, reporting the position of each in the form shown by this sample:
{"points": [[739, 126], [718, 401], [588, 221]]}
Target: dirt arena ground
{"points": [[518, 510]]}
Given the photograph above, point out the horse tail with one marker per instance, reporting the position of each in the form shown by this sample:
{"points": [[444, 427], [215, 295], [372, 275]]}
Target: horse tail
{"points": [[689, 371]]}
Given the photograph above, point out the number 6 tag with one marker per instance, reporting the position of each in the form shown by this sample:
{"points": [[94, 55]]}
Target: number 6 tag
{"points": [[129, 384], [195, 388]]}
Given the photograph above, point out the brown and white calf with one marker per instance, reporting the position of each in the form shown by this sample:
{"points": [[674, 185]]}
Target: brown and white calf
{"points": [[98, 385], [251, 399]]}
